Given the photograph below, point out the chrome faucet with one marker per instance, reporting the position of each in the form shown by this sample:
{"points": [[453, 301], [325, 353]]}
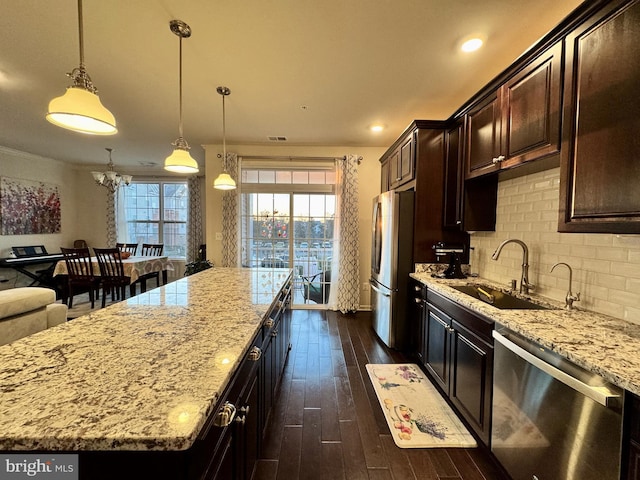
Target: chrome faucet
{"points": [[570, 298], [525, 286]]}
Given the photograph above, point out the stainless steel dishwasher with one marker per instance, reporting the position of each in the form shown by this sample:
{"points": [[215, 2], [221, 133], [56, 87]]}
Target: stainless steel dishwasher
{"points": [[552, 420]]}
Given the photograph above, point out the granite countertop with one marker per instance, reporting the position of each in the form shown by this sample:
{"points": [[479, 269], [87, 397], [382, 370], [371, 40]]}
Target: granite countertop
{"points": [[143, 374], [604, 345]]}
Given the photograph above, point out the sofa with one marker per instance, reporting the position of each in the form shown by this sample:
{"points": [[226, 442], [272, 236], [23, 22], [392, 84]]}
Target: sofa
{"points": [[27, 310]]}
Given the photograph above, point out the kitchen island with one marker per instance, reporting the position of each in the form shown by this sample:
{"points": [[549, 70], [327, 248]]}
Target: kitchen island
{"points": [[145, 375]]}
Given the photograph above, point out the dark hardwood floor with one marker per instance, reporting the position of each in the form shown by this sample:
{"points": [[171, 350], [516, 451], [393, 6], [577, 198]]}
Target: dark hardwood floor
{"points": [[327, 422]]}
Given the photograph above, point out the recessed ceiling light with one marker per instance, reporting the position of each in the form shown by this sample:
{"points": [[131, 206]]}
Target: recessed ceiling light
{"points": [[376, 127], [472, 44]]}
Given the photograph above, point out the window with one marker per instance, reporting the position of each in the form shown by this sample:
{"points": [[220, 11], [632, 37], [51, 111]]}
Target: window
{"points": [[156, 212]]}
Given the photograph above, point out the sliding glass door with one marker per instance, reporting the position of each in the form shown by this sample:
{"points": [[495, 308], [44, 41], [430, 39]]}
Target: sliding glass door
{"points": [[291, 230]]}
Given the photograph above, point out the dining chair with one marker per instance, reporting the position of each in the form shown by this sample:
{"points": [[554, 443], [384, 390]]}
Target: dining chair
{"points": [[152, 250], [80, 273], [112, 277], [132, 248]]}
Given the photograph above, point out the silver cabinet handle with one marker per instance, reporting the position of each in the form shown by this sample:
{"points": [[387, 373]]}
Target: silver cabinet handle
{"points": [[501, 158], [602, 395], [255, 354], [494, 160], [269, 323], [226, 415]]}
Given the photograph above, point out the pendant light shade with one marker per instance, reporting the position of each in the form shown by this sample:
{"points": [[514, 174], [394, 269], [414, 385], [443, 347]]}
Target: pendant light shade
{"points": [[224, 180], [180, 161], [80, 108]]}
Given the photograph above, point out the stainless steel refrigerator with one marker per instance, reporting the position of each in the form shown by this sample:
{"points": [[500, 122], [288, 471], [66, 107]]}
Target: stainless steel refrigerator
{"points": [[391, 263]]}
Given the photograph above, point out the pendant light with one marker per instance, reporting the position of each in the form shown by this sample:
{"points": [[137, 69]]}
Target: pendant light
{"points": [[180, 161], [80, 108], [224, 180]]}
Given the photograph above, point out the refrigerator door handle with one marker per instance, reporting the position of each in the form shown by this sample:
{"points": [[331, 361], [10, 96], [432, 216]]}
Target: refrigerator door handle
{"points": [[386, 294]]}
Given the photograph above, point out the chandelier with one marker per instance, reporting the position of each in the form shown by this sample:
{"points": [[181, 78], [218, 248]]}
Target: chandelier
{"points": [[111, 179]]}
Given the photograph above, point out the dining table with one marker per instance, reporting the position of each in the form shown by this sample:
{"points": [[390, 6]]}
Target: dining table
{"points": [[135, 267]]}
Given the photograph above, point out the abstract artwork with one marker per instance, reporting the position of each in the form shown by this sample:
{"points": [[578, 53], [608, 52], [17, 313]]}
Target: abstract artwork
{"points": [[28, 207]]}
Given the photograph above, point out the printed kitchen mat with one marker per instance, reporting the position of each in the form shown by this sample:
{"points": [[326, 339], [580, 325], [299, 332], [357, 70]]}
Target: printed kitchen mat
{"points": [[417, 415]]}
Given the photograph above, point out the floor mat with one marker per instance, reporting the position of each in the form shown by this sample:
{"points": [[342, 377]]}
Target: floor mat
{"points": [[417, 415]]}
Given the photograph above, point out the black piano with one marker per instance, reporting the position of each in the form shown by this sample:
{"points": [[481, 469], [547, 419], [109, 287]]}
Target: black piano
{"points": [[34, 255]]}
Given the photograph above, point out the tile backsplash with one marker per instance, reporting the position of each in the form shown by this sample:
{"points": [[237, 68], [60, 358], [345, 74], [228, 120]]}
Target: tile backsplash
{"points": [[606, 267]]}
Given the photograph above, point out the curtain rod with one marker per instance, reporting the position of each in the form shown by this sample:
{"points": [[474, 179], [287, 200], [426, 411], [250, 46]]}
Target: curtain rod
{"points": [[291, 159]]}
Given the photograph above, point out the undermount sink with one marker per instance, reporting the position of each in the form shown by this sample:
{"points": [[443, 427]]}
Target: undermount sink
{"points": [[497, 298]]}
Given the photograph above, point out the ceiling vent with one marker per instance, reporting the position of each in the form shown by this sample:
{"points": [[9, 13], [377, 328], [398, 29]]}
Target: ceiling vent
{"points": [[275, 138]]}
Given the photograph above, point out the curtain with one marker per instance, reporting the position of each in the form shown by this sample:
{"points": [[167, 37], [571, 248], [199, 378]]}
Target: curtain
{"points": [[195, 231], [122, 232], [345, 288], [230, 213], [111, 219]]}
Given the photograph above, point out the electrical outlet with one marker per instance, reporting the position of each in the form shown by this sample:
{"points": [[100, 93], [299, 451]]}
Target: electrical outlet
{"points": [[365, 286], [219, 236]]}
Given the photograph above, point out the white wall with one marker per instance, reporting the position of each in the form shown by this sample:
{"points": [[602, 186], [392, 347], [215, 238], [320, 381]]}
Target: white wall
{"points": [[24, 166], [606, 267], [369, 187]]}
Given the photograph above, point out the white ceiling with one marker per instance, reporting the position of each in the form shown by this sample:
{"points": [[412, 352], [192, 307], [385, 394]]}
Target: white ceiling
{"points": [[349, 63]]}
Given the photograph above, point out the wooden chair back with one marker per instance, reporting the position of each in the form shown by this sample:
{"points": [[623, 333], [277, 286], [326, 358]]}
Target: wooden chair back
{"points": [[152, 249], [78, 261], [110, 262], [132, 248], [80, 275], [112, 275]]}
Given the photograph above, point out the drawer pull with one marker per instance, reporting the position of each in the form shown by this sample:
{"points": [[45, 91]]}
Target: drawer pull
{"points": [[269, 323], [255, 354], [225, 416]]}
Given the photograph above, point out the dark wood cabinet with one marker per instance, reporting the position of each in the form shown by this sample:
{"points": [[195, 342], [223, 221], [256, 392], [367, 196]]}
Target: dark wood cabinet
{"points": [[483, 137], [520, 121], [398, 165], [417, 311], [469, 205], [631, 443], [425, 142], [600, 159], [459, 358]]}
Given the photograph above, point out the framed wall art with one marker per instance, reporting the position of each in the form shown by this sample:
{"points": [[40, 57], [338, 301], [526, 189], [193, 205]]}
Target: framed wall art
{"points": [[28, 207]]}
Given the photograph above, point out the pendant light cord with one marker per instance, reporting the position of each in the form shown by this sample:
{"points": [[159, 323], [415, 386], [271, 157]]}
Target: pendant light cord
{"points": [[180, 88], [224, 138], [80, 34]]}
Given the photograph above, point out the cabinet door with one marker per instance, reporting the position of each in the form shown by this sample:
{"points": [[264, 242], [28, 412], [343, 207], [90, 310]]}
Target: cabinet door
{"points": [[385, 175], [454, 178], [438, 344], [406, 160], [600, 159], [471, 379], [483, 137], [531, 110], [249, 431], [394, 169]]}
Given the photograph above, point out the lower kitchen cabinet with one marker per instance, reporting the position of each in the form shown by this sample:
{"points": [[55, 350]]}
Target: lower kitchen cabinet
{"points": [[459, 358], [632, 422], [236, 430]]}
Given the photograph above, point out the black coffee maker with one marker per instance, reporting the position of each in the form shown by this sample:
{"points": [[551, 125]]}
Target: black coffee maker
{"points": [[453, 252]]}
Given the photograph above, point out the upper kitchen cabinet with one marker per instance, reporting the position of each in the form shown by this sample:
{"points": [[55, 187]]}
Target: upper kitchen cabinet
{"points": [[471, 204], [423, 146], [520, 121], [398, 166], [600, 159]]}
